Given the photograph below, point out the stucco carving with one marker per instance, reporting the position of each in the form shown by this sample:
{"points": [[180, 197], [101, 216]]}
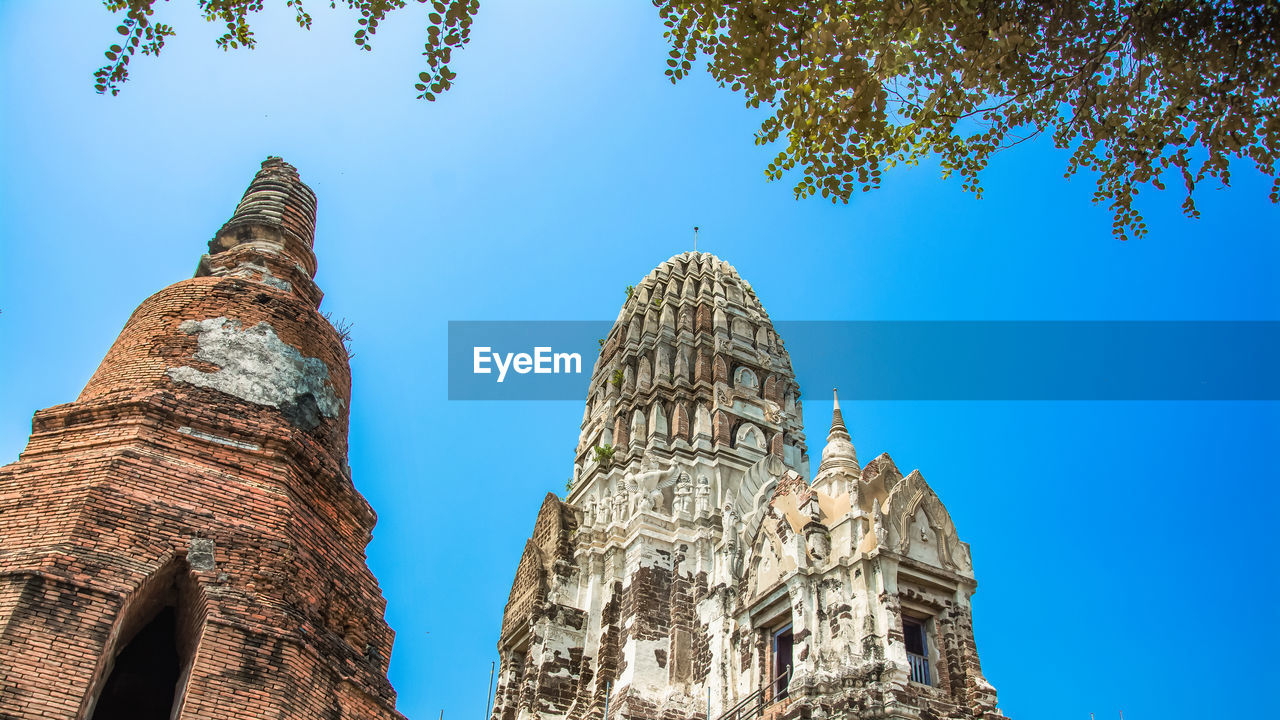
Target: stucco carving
{"points": [[695, 547]]}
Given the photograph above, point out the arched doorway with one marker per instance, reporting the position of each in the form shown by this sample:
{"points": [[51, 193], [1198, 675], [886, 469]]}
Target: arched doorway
{"points": [[144, 676]]}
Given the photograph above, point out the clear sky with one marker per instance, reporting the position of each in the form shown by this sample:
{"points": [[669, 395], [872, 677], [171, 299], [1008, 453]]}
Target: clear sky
{"points": [[1125, 551]]}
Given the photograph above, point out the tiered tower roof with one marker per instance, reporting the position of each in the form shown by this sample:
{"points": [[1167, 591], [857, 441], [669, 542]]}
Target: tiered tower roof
{"points": [[691, 371]]}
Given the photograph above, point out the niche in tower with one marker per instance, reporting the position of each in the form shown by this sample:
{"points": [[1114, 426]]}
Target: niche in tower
{"points": [[144, 678], [150, 655]]}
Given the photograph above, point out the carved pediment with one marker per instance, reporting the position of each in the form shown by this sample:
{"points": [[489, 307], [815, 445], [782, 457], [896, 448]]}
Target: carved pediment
{"points": [[920, 526], [879, 478], [769, 562]]}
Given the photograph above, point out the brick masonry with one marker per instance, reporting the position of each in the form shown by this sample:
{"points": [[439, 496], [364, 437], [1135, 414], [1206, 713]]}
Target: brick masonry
{"points": [[203, 469]]}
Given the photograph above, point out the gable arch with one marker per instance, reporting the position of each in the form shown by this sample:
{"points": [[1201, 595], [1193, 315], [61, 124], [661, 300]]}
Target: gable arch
{"points": [[680, 422], [767, 562], [913, 496], [771, 391], [749, 435]]}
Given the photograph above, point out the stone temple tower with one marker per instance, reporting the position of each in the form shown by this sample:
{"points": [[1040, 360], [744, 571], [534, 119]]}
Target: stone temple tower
{"points": [[695, 572], [184, 540]]}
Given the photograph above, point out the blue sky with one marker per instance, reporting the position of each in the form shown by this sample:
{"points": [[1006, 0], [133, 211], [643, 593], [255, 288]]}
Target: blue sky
{"points": [[1125, 551]]}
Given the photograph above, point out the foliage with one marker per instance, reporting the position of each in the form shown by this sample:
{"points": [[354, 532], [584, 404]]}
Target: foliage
{"points": [[448, 29], [631, 290], [604, 454], [138, 33], [601, 341], [1138, 90], [616, 378]]}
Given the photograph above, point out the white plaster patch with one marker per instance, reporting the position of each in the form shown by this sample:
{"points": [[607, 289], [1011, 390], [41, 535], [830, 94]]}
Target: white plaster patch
{"points": [[560, 643], [689, 563], [262, 274], [625, 678], [256, 365], [746, 409], [647, 676], [217, 439], [645, 554]]}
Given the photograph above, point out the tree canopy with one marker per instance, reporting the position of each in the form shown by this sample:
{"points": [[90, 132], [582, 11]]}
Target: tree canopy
{"points": [[1141, 92]]}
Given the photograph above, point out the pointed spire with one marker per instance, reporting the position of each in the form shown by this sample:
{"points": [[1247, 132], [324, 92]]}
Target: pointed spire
{"points": [[838, 430], [839, 451], [270, 235], [276, 198], [276, 209]]}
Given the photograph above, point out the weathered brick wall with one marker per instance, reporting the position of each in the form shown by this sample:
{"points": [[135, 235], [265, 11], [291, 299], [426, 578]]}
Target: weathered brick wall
{"points": [[203, 467], [549, 545], [542, 639]]}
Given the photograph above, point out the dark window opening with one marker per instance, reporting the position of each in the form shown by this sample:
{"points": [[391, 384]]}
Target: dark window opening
{"points": [[782, 643], [917, 641], [145, 676]]}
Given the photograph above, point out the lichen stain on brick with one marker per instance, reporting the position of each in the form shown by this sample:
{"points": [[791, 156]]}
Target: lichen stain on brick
{"points": [[200, 554], [255, 365]]}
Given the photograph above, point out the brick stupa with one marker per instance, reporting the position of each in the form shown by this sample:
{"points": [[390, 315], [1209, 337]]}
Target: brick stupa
{"points": [[184, 540]]}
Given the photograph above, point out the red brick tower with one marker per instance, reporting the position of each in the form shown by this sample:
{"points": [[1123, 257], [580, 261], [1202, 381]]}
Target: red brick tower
{"points": [[184, 540]]}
